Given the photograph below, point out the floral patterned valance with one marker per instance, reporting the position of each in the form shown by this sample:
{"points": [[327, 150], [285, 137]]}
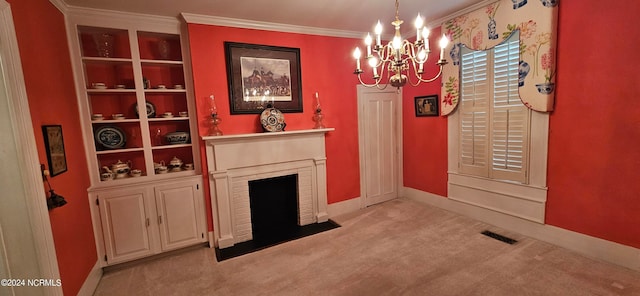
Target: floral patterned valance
{"points": [[485, 28]]}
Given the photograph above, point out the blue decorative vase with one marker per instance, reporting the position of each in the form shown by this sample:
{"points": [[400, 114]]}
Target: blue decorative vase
{"points": [[549, 3], [546, 88], [518, 3], [455, 54], [491, 27], [523, 70]]}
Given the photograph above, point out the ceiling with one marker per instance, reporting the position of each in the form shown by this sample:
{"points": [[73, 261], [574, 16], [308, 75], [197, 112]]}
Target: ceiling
{"points": [[345, 15]]}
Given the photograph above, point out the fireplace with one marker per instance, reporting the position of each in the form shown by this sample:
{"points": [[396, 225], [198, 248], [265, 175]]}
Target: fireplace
{"points": [[235, 162]]}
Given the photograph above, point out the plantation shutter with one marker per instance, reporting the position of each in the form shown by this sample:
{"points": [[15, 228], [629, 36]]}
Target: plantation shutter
{"points": [[494, 123], [509, 118], [474, 96]]}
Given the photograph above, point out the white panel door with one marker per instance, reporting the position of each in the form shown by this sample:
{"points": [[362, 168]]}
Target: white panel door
{"points": [[125, 225], [179, 214], [379, 147]]}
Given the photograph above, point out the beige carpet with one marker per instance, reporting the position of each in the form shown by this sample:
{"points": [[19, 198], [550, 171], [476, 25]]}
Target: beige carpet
{"points": [[396, 248]]}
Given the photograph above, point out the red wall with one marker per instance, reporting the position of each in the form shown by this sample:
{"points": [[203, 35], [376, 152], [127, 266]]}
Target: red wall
{"points": [[326, 67], [594, 155], [52, 100], [594, 160], [425, 138]]}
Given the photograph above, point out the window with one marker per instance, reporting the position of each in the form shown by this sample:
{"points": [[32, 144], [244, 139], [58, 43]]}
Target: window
{"points": [[493, 122]]}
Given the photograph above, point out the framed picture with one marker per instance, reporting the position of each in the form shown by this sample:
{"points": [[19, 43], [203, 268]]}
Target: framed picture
{"points": [[54, 145], [260, 75], [427, 105]]}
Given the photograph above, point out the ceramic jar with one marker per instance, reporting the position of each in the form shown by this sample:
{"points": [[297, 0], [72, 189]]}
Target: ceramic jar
{"points": [[175, 164]]}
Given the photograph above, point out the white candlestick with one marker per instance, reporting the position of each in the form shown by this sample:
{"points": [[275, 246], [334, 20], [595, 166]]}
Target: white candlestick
{"points": [[378, 31]]}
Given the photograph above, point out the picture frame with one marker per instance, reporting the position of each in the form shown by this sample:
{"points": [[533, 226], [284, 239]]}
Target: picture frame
{"points": [[261, 75], [54, 145], [427, 106]]}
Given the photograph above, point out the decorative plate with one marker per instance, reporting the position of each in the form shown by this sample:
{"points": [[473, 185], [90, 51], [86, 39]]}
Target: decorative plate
{"points": [[110, 137], [151, 110], [272, 120]]}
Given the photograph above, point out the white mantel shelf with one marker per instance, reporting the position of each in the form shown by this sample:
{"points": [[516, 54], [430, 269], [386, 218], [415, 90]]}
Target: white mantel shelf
{"points": [[265, 134]]}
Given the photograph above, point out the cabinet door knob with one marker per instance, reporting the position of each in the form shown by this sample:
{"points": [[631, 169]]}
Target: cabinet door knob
{"points": [[159, 219], [148, 223]]}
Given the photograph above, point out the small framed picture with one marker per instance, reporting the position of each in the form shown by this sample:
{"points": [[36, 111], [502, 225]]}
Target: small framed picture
{"points": [[427, 105], [54, 144]]}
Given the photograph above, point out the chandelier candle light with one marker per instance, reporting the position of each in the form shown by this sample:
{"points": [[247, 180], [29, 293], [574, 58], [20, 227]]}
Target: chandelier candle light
{"points": [[399, 57], [215, 120]]}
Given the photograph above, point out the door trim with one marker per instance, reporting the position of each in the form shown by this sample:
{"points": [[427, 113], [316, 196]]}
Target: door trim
{"points": [[362, 90], [25, 142]]}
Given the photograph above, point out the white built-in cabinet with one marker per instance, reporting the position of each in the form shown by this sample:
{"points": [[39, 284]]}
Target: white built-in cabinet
{"points": [[139, 221], [137, 66]]}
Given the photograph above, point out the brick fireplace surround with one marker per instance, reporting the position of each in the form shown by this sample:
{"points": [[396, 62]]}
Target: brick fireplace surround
{"points": [[234, 160]]}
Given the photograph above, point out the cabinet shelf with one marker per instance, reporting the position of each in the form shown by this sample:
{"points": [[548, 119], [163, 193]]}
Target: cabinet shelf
{"points": [[106, 60], [157, 119], [115, 151], [115, 121], [120, 70], [161, 62], [166, 90], [174, 146], [111, 91]]}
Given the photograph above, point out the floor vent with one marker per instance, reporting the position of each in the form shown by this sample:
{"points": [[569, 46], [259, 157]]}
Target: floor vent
{"points": [[501, 238]]}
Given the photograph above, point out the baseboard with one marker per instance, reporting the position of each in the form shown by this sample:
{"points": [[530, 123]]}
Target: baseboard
{"points": [[344, 207], [586, 245], [91, 282]]}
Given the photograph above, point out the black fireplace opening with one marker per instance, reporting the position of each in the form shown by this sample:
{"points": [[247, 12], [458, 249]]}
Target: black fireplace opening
{"points": [[274, 216], [274, 208]]}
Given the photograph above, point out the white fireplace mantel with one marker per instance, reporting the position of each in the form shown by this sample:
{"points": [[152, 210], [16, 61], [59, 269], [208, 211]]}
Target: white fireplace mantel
{"points": [[234, 160]]}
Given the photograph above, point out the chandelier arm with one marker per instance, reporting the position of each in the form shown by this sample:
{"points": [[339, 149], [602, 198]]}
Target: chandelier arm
{"points": [[376, 85], [368, 85]]}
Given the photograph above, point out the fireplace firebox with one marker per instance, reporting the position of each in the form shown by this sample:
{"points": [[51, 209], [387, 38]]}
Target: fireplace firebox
{"points": [[274, 208]]}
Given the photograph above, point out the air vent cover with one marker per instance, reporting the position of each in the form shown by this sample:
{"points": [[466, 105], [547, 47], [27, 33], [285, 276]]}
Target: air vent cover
{"points": [[499, 237]]}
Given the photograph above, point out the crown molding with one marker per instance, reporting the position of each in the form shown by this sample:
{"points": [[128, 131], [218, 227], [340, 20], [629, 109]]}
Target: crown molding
{"points": [[258, 25], [468, 9], [122, 19], [60, 5]]}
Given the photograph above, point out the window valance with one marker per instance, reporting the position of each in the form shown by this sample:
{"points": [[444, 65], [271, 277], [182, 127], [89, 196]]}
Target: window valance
{"points": [[487, 27]]}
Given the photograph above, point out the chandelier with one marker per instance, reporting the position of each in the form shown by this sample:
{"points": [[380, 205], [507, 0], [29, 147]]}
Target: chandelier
{"points": [[399, 58]]}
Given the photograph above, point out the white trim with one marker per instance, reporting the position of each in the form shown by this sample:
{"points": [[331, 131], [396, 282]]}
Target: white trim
{"points": [[60, 5], [586, 245], [121, 20], [26, 143], [93, 279], [259, 25], [523, 201], [212, 239], [344, 207], [468, 9]]}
